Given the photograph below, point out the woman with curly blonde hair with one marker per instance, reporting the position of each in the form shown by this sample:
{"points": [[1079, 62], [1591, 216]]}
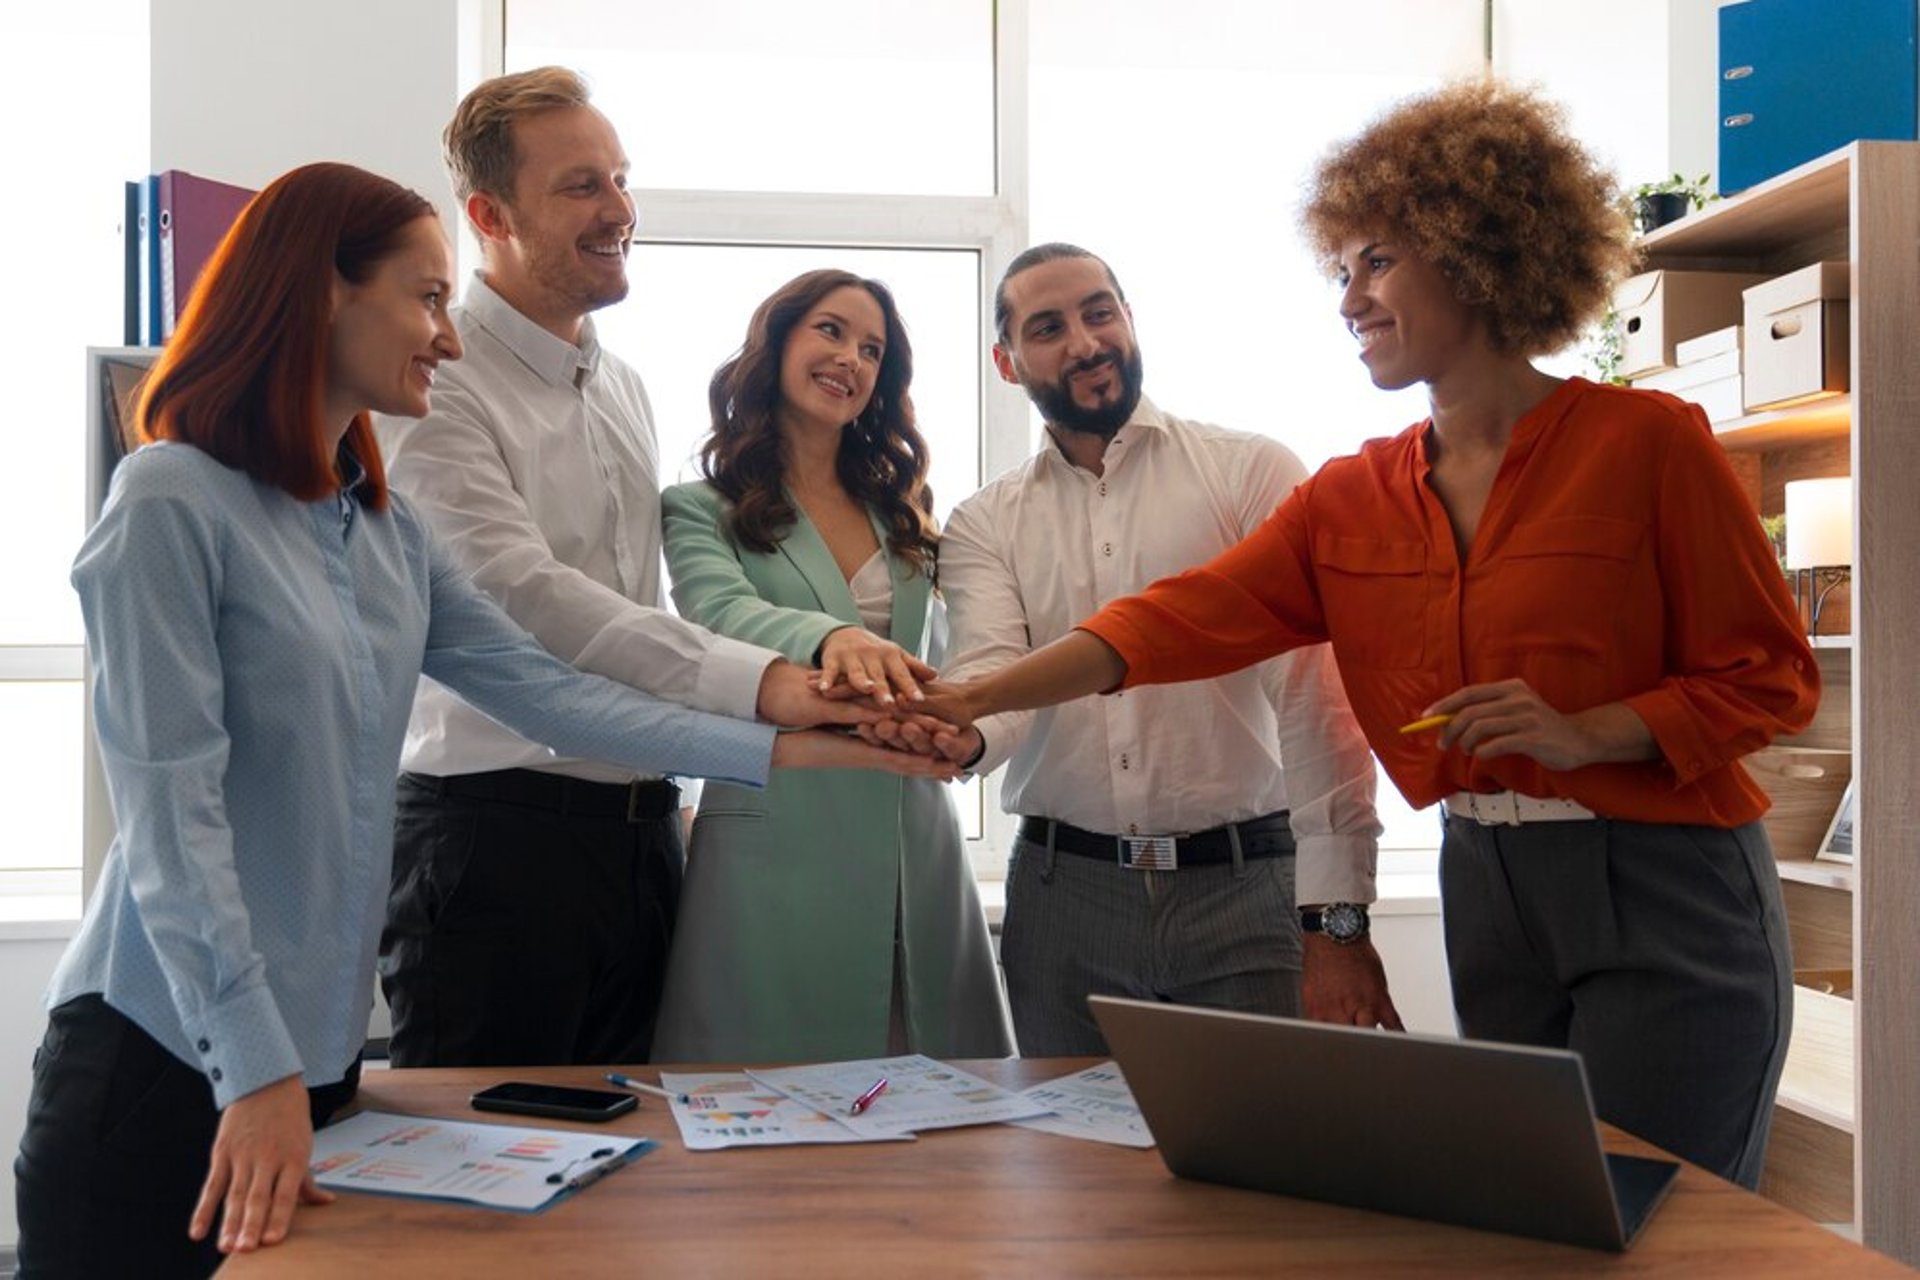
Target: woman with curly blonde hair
{"points": [[1554, 612]]}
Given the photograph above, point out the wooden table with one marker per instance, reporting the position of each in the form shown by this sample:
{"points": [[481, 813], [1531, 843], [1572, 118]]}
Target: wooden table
{"points": [[987, 1200]]}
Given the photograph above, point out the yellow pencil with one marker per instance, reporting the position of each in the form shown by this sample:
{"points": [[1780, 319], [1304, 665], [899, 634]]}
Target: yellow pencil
{"points": [[1425, 723]]}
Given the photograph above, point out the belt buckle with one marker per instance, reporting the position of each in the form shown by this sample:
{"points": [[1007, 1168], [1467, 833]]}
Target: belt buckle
{"points": [[1504, 814], [1149, 853]]}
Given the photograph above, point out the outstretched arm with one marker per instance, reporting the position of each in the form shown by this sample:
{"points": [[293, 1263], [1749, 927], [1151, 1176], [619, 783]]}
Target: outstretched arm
{"points": [[1075, 665]]}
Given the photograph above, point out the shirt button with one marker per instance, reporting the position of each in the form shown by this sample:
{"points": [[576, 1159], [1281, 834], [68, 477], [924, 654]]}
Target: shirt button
{"points": [[1133, 828], [203, 1046], [214, 1075], [1123, 762], [1106, 548], [1103, 488], [1799, 663]]}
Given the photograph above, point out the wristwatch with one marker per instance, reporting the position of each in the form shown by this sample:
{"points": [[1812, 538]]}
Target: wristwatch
{"points": [[1344, 922]]}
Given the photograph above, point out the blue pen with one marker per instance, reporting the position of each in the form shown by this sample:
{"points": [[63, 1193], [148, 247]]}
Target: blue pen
{"points": [[641, 1086]]}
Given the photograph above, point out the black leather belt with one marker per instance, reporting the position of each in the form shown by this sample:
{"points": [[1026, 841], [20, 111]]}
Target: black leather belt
{"points": [[1167, 853], [648, 800]]}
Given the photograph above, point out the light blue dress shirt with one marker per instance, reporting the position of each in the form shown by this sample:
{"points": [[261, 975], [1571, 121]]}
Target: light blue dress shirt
{"points": [[255, 659]]}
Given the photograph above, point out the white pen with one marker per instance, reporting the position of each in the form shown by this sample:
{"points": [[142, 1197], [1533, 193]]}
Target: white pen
{"points": [[641, 1086]]}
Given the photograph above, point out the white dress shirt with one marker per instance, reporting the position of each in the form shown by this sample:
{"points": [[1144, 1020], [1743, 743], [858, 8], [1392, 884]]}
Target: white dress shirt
{"points": [[1046, 545], [539, 471]]}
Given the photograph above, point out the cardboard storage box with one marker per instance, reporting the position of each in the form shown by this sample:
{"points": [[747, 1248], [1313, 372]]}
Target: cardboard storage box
{"points": [[1713, 382], [1660, 309], [1795, 338], [1805, 786], [1716, 343], [1721, 399]]}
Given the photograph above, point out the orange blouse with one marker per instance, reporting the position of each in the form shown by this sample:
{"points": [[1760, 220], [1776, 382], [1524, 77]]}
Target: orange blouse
{"points": [[1617, 560]]}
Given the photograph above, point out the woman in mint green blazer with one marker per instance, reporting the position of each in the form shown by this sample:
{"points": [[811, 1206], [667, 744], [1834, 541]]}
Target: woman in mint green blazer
{"points": [[834, 916]]}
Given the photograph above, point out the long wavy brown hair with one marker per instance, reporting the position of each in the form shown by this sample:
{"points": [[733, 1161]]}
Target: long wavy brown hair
{"points": [[882, 460]]}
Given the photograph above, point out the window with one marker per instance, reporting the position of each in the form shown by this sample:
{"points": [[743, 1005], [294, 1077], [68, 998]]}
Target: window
{"points": [[758, 95], [62, 186], [1172, 140]]}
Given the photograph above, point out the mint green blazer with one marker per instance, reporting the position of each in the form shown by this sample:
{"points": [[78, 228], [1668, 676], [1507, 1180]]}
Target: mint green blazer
{"points": [[784, 945]]}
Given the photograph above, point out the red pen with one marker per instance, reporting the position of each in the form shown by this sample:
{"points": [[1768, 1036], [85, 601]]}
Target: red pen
{"points": [[865, 1100]]}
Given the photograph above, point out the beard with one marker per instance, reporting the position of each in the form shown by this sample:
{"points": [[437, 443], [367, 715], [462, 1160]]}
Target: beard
{"points": [[553, 266], [1057, 405]]}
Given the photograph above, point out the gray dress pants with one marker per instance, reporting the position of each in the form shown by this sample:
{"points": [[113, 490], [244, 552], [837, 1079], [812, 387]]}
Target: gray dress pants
{"points": [[1224, 936], [1658, 952]]}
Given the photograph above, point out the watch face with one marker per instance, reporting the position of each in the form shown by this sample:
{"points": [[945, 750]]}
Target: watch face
{"points": [[1344, 921]]}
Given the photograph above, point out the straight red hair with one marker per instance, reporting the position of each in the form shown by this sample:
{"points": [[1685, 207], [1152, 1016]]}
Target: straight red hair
{"points": [[244, 377]]}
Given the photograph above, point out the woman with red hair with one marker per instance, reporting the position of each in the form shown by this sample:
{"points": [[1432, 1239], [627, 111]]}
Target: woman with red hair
{"points": [[259, 612]]}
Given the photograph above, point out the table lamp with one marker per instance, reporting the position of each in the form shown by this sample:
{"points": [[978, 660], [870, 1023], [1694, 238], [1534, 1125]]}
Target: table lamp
{"points": [[1819, 540]]}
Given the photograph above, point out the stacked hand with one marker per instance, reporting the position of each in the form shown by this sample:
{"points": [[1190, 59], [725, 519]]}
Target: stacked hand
{"points": [[872, 691], [871, 666], [885, 696]]}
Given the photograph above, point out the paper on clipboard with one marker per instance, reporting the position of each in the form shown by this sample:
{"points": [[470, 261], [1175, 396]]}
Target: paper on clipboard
{"points": [[499, 1166]]}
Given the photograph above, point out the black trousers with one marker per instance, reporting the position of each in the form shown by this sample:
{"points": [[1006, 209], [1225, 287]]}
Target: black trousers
{"points": [[529, 919], [118, 1140], [1658, 952]]}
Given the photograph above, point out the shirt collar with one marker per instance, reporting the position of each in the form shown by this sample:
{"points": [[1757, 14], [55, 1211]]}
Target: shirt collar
{"points": [[352, 475], [1532, 425], [556, 361]]}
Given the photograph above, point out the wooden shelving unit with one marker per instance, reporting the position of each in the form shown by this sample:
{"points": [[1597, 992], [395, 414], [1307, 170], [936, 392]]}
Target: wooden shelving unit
{"points": [[1828, 418], [1847, 1130]]}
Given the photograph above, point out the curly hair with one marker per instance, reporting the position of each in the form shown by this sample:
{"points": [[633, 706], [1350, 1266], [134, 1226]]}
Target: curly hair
{"points": [[1482, 180], [882, 459]]}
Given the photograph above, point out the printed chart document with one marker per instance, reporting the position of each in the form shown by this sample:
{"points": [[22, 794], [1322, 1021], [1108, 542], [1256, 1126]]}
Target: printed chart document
{"points": [[488, 1164], [920, 1094], [727, 1109], [1094, 1104]]}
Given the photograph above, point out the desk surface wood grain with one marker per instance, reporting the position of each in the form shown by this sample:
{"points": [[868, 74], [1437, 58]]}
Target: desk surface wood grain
{"points": [[988, 1200]]}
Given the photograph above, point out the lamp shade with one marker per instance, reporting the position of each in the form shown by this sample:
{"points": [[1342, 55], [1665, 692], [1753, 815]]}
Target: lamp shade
{"points": [[1819, 523]]}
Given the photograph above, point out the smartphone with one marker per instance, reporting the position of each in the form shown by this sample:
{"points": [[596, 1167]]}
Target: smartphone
{"points": [[526, 1099]]}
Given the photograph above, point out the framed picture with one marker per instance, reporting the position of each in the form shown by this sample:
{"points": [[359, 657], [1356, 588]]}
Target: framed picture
{"points": [[1837, 844], [114, 375]]}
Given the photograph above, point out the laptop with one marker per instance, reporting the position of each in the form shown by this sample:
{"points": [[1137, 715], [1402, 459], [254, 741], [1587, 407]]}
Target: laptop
{"points": [[1499, 1137]]}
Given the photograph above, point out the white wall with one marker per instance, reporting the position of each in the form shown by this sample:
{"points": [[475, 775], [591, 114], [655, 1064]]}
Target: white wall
{"points": [[1406, 932], [1693, 87], [245, 90]]}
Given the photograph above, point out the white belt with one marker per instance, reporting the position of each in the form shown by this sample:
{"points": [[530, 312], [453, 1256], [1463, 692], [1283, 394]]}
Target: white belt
{"points": [[1511, 809]]}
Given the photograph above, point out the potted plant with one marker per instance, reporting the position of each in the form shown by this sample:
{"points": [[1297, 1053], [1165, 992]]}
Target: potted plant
{"points": [[1655, 204], [1603, 349]]}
